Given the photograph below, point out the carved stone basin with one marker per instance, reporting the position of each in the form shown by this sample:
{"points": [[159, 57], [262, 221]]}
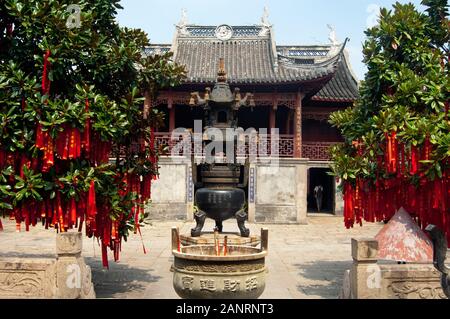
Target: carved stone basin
{"points": [[200, 274]]}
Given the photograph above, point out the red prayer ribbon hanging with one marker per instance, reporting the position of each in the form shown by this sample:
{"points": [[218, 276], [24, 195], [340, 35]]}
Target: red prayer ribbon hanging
{"points": [[428, 202], [87, 208], [45, 78]]}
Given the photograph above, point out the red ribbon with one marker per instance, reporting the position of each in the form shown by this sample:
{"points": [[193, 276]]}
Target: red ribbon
{"points": [[391, 152], [9, 30], [91, 205], [348, 205], [45, 80], [86, 138]]}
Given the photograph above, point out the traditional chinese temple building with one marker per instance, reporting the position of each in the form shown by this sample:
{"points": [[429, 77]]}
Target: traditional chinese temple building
{"points": [[295, 88]]}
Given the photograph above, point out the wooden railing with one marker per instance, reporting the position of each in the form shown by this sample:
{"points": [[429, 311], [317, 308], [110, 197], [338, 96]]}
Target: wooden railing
{"points": [[316, 151]]}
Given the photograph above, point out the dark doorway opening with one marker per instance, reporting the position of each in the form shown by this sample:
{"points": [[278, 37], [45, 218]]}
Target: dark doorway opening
{"points": [[320, 177]]}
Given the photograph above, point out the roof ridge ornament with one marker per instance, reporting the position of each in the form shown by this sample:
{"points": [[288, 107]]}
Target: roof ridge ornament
{"points": [[224, 32], [332, 36], [183, 23], [265, 23], [336, 46], [221, 74], [265, 18]]}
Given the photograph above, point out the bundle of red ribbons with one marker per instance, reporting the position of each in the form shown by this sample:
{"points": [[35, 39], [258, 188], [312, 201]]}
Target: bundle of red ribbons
{"points": [[88, 208], [428, 202]]}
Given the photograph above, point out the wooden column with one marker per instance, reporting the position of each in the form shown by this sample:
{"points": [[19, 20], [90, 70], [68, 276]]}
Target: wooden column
{"points": [[273, 114], [171, 108], [147, 105], [298, 126]]}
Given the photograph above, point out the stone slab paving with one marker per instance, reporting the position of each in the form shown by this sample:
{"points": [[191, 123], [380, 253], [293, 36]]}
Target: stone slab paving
{"points": [[305, 261]]}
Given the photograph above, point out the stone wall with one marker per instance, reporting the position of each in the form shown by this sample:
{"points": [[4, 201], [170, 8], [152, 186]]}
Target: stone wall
{"points": [[371, 279], [171, 196], [276, 194], [64, 277], [280, 192]]}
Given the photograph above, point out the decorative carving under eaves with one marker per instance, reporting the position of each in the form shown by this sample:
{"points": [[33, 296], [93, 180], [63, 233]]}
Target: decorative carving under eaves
{"points": [[316, 116]]}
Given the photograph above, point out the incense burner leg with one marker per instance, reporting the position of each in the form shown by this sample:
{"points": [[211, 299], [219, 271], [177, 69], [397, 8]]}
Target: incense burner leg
{"points": [[200, 218], [219, 225], [241, 217]]}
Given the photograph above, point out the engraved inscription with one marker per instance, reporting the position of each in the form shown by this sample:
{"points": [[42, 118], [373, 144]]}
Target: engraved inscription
{"points": [[251, 284], [188, 282], [231, 285], [208, 285]]}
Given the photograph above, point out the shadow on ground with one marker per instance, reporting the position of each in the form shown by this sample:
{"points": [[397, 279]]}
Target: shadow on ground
{"points": [[119, 279], [328, 275]]}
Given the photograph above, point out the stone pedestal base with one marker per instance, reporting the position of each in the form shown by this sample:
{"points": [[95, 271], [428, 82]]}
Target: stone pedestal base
{"points": [[370, 278], [64, 277]]}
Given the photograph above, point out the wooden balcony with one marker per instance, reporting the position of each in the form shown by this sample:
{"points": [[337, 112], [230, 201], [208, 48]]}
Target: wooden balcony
{"points": [[315, 151]]}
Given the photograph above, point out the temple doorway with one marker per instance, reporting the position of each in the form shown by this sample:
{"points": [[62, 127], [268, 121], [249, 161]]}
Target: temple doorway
{"points": [[318, 177]]}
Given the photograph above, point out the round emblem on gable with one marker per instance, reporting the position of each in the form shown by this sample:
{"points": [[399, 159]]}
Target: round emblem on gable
{"points": [[224, 32]]}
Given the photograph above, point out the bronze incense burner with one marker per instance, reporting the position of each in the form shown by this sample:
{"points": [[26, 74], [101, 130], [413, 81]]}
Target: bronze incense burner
{"points": [[220, 182]]}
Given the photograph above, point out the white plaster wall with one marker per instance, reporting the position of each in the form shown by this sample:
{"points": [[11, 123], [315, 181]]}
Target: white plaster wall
{"points": [[281, 192], [276, 186], [171, 185]]}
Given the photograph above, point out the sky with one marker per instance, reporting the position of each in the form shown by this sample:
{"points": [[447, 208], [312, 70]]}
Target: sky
{"points": [[296, 22]]}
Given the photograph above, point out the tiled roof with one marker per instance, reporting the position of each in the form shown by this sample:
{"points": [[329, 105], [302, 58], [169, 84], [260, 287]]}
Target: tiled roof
{"points": [[342, 87], [246, 61], [252, 57]]}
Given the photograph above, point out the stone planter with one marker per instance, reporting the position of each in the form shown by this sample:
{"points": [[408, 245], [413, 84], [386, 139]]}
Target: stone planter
{"points": [[200, 274]]}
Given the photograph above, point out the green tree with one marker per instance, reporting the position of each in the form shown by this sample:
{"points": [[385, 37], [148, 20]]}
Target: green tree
{"points": [[397, 136], [71, 97]]}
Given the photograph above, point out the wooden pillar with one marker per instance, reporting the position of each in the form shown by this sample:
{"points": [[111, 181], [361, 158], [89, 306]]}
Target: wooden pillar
{"points": [[298, 126], [273, 115], [171, 108], [147, 105]]}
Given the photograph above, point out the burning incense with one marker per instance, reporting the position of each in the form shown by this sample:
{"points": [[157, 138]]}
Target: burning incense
{"points": [[225, 246], [178, 241], [216, 243]]}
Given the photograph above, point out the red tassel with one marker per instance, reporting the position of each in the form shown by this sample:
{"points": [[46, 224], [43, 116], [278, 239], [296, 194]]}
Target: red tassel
{"points": [[3, 158], [49, 160], [105, 256], [86, 139], [40, 140], [348, 205], [45, 79], [91, 208], [414, 160], [427, 149], [391, 153], [1, 225], [73, 211], [59, 212]]}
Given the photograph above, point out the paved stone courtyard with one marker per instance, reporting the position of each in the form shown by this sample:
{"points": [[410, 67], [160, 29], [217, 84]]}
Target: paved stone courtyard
{"points": [[304, 262]]}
